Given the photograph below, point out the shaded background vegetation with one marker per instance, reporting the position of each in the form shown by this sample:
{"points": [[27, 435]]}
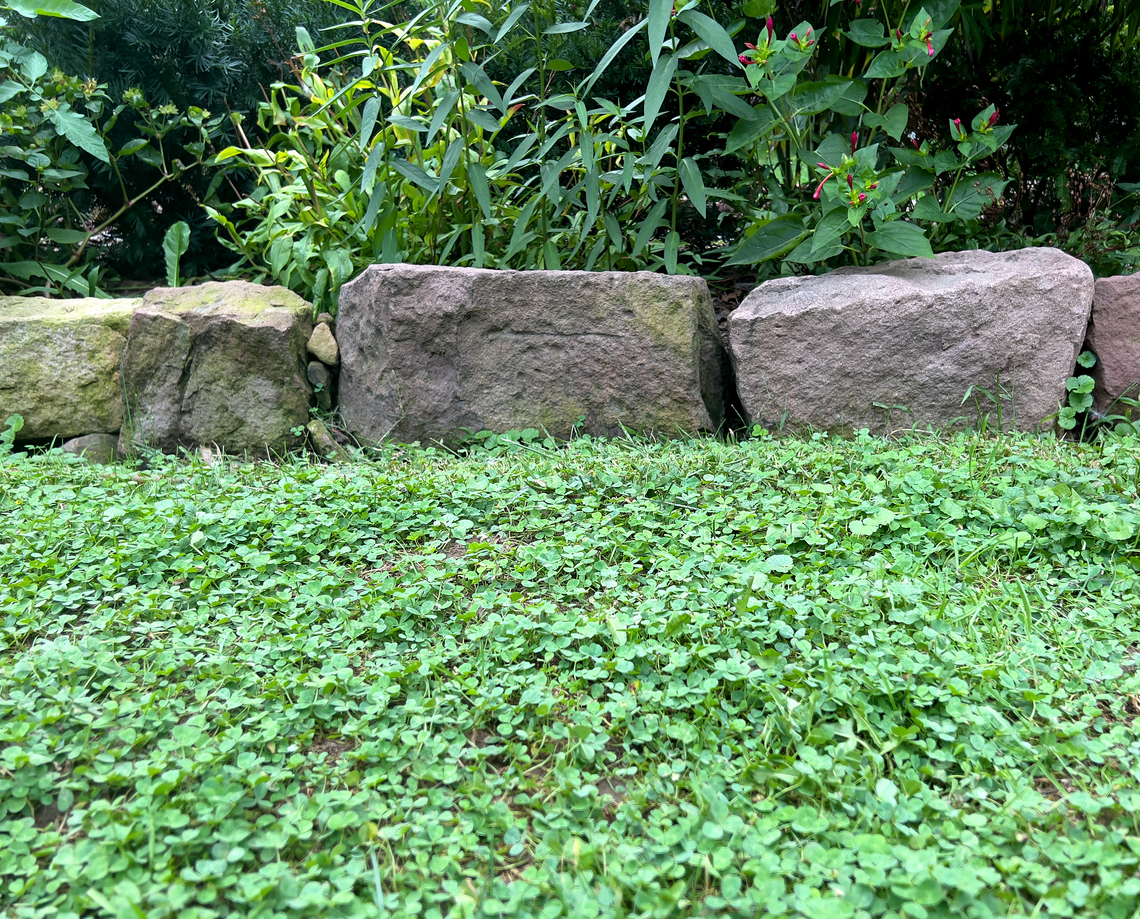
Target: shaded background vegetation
{"points": [[1067, 73]]}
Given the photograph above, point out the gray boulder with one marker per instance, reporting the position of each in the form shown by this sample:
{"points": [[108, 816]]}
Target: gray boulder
{"points": [[95, 448], [223, 363], [913, 336], [1114, 334], [59, 364], [427, 352]]}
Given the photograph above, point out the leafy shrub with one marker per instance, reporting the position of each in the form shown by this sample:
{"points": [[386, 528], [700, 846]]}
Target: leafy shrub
{"points": [[426, 158], [54, 126], [210, 54]]}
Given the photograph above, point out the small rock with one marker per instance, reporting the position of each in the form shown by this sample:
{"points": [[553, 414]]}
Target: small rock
{"points": [[95, 448], [321, 378], [327, 319], [324, 443], [322, 345]]}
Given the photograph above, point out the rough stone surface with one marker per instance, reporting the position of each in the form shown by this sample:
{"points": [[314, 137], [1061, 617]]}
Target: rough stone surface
{"points": [[327, 319], [321, 379], [820, 352], [59, 364], [96, 448], [428, 352], [1114, 334], [325, 444], [221, 364], [322, 345]]}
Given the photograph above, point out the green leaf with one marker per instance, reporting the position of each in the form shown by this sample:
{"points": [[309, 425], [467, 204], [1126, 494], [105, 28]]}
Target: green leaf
{"points": [[174, 246], [1086, 359], [813, 98], [712, 32], [886, 65], [477, 179], [474, 19], [1081, 384], [772, 239], [613, 52], [60, 9], [693, 184], [893, 122], [565, 28], [79, 131], [659, 13], [927, 208], [9, 89], [830, 229], [750, 130], [900, 238], [659, 81], [649, 226], [867, 32]]}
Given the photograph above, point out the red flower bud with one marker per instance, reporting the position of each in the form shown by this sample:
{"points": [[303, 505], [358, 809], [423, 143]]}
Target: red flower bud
{"points": [[994, 118], [749, 44], [873, 185], [862, 197], [854, 140], [914, 140], [929, 47], [958, 122], [850, 181], [771, 27], [743, 58], [898, 32], [793, 37], [819, 187]]}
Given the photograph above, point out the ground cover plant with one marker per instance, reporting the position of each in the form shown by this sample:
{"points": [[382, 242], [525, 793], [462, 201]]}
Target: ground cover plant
{"points": [[815, 678]]}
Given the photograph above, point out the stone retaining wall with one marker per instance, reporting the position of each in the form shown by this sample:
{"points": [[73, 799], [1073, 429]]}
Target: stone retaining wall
{"points": [[426, 353]]}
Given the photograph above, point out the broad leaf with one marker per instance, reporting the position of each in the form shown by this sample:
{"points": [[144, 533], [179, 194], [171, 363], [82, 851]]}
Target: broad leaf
{"points": [[900, 238], [174, 246], [693, 184], [893, 122], [79, 131], [713, 33], [830, 229], [564, 28], [772, 239], [868, 33], [60, 9]]}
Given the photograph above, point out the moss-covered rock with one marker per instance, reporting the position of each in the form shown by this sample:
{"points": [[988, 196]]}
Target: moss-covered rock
{"points": [[221, 364], [59, 364], [427, 352]]}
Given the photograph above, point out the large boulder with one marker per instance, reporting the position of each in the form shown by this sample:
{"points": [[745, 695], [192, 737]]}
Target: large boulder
{"points": [[221, 364], [903, 343], [427, 353], [1114, 334], [59, 364]]}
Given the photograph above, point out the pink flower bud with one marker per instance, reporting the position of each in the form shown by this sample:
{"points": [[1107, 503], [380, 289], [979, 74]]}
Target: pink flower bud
{"points": [[914, 140], [873, 185], [743, 58], [958, 123], [771, 27], [850, 181], [994, 118], [854, 141], [794, 37], [819, 187], [929, 48], [862, 197]]}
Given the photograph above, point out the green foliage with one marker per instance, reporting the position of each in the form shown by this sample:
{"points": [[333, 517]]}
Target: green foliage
{"points": [[12, 427], [53, 127], [805, 678], [206, 54], [174, 246], [871, 200]]}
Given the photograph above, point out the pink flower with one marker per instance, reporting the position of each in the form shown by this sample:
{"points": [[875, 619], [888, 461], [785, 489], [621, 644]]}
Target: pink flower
{"points": [[794, 37], [819, 187], [743, 58], [862, 197], [929, 47]]}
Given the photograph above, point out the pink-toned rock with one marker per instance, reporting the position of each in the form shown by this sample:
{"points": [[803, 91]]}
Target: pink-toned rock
{"points": [[1114, 334], [905, 342]]}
